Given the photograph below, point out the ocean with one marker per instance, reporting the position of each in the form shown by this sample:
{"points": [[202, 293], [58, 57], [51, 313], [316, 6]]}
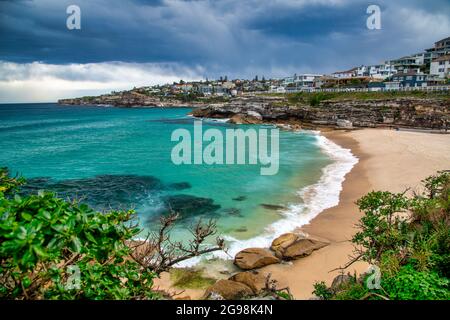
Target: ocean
{"points": [[120, 158]]}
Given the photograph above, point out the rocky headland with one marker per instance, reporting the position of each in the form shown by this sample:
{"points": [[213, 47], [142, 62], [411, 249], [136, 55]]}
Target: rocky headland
{"points": [[412, 113], [129, 99], [430, 113]]}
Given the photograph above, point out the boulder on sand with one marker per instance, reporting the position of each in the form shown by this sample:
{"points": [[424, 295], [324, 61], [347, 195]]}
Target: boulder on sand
{"points": [[283, 241], [255, 280], [291, 246], [253, 258], [228, 290], [341, 281]]}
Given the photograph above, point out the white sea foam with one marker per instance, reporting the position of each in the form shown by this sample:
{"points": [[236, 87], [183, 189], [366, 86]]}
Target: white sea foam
{"points": [[314, 199], [221, 120]]}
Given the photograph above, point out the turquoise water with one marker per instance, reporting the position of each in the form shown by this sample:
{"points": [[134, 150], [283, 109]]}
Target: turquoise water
{"points": [[120, 157]]}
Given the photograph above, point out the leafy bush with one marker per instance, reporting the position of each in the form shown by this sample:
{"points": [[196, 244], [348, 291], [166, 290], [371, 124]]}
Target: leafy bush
{"points": [[409, 284], [316, 98], [55, 249], [380, 227], [43, 240], [354, 291], [409, 239], [322, 291], [8, 184]]}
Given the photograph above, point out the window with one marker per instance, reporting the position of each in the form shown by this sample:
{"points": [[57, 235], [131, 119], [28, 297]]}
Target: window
{"points": [[441, 70], [409, 78], [441, 63]]}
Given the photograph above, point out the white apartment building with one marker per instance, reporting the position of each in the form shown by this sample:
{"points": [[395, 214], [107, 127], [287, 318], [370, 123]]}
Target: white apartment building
{"points": [[381, 71], [277, 89], [306, 80], [440, 67]]}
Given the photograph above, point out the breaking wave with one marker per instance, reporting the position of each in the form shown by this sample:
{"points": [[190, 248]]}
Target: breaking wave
{"points": [[315, 198]]}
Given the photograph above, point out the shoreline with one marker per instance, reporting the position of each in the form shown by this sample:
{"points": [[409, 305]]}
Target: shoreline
{"points": [[335, 225], [312, 199], [389, 160], [295, 217]]}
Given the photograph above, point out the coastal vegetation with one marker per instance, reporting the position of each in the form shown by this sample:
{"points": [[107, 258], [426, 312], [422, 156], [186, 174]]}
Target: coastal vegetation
{"points": [[190, 278], [407, 239], [315, 98], [52, 248]]}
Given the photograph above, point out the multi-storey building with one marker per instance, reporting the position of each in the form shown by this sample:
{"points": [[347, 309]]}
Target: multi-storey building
{"points": [[381, 71], [440, 67], [300, 82], [441, 48]]}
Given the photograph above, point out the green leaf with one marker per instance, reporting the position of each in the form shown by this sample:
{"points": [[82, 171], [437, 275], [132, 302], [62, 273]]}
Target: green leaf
{"points": [[76, 244], [26, 216], [40, 252], [44, 213], [90, 237], [26, 282]]}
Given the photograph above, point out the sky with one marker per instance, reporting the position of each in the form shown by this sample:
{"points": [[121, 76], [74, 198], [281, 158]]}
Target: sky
{"points": [[127, 43]]}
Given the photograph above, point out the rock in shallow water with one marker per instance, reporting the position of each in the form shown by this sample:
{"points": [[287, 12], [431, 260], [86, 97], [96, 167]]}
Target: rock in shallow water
{"points": [[187, 205], [272, 206], [232, 212], [102, 191], [180, 186]]}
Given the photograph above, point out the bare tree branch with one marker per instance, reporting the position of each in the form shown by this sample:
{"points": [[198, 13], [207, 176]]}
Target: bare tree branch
{"points": [[158, 252]]}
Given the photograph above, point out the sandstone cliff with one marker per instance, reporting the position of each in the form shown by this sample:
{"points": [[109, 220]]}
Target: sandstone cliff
{"points": [[126, 99], [417, 113]]}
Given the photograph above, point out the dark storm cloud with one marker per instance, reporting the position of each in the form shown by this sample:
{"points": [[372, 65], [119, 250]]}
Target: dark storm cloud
{"points": [[234, 37]]}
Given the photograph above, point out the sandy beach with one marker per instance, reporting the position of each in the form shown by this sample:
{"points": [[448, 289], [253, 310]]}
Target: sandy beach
{"points": [[388, 160]]}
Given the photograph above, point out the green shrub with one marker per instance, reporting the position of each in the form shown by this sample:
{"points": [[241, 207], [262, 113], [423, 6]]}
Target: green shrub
{"points": [[409, 239], [284, 295], [353, 291], [43, 239], [409, 284], [316, 98], [380, 228], [321, 290]]}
